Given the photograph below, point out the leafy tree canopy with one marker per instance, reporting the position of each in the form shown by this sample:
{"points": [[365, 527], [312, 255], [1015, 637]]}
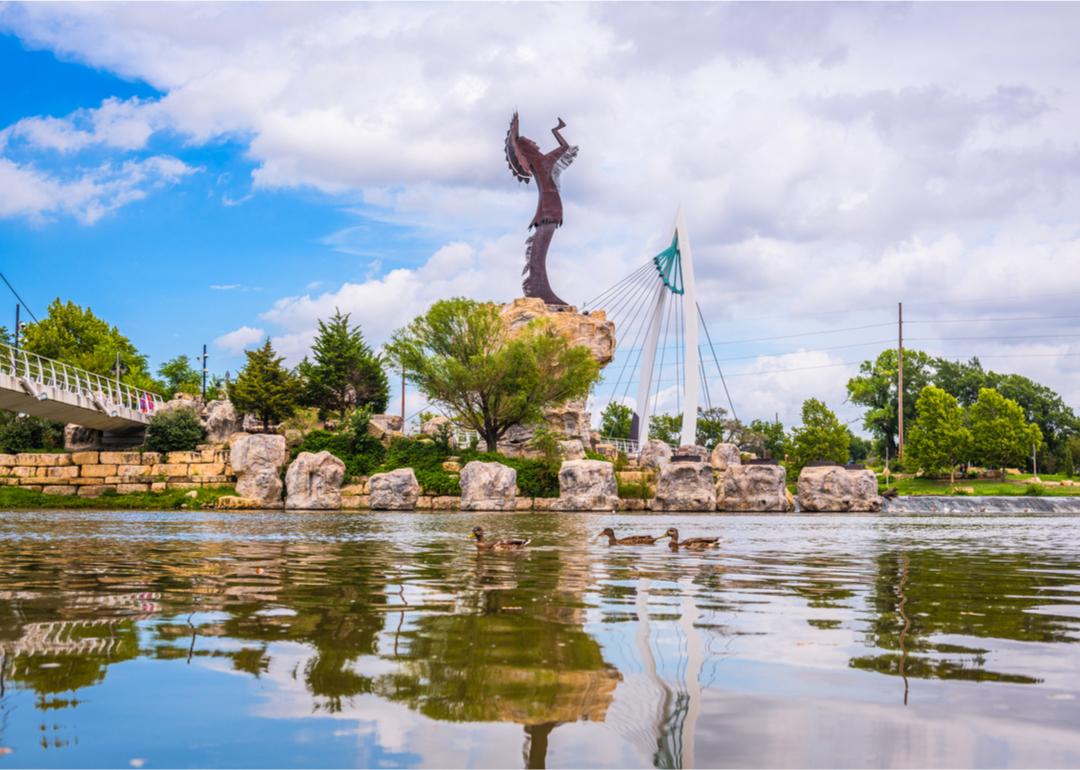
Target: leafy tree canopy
{"points": [[875, 388], [820, 437], [766, 438], [74, 335], [461, 357], [178, 376], [1001, 436], [940, 439], [264, 387], [344, 372], [615, 421]]}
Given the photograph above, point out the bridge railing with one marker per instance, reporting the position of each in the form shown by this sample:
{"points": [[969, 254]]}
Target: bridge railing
{"points": [[105, 392]]}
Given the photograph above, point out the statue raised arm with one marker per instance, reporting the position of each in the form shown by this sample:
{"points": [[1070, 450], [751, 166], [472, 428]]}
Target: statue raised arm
{"points": [[527, 162]]}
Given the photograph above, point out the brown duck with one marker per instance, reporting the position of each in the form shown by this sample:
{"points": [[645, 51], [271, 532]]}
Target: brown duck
{"points": [[496, 545], [690, 543], [632, 540]]}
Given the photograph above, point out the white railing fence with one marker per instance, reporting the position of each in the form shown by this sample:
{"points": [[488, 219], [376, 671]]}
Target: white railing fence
{"points": [[105, 392]]}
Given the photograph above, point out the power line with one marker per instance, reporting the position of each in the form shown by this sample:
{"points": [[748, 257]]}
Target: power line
{"points": [[806, 334], [995, 320], [21, 300]]}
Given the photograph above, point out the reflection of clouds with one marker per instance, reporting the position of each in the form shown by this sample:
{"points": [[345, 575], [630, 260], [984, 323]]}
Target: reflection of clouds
{"points": [[396, 728]]}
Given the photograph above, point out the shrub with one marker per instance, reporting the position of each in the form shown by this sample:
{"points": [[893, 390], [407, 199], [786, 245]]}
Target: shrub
{"points": [[635, 490], [1034, 490], [353, 445], [27, 434], [179, 430], [535, 478], [426, 459]]}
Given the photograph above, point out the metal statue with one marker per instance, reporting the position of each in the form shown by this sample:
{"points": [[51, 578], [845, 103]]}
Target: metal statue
{"points": [[526, 161]]}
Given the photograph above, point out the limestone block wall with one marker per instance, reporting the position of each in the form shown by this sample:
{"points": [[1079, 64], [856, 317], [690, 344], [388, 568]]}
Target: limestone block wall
{"points": [[91, 473]]}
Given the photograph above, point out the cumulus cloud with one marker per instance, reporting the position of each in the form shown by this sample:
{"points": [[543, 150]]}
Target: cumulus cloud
{"points": [[238, 340], [88, 195], [832, 159]]}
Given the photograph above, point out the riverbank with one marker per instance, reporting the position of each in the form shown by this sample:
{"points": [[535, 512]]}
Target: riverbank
{"points": [[207, 498]]}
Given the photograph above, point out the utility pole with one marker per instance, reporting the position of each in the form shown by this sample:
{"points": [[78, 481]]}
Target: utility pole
{"points": [[403, 398], [900, 382], [204, 357]]}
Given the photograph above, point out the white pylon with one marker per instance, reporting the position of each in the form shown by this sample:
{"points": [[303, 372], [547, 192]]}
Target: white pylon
{"points": [[684, 284]]}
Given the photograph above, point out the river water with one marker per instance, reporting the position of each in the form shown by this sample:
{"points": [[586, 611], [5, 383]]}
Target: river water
{"points": [[273, 639]]}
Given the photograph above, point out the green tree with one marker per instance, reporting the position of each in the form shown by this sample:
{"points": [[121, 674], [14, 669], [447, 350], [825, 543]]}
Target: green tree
{"points": [[962, 379], [821, 437], [76, 336], [178, 376], [1000, 435], [714, 427], [766, 438], [666, 428], [859, 448], [615, 420], [940, 440], [875, 388], [344, 372], [461, 357], [264, 387]]}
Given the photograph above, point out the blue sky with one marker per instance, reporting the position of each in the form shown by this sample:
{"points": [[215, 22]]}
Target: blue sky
{"points": [[219, 173]]}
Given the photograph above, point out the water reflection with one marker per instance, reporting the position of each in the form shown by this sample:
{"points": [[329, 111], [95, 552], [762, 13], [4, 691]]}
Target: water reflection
{"points": [[285, 640]]}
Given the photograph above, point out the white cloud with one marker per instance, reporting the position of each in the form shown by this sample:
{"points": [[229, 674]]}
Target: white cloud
{"points": [[224, 286], [238, 340], [822, 182], [87, 196]]}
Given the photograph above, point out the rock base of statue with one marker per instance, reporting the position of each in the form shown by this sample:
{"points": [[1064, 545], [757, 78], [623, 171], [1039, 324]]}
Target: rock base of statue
{"points": [[592, 330]]}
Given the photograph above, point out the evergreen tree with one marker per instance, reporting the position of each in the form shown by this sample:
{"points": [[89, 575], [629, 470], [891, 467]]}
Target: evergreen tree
{"points": [[615, 421], [939, 440], [821, 437], [344, 372], [264, 387], [1000, 435]]}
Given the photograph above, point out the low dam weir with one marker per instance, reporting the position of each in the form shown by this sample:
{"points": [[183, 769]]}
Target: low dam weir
{"points": [[981, 504]]}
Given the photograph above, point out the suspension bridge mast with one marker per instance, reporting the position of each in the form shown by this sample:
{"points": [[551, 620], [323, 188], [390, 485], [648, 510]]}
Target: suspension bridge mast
{"points": [[675, 266]]}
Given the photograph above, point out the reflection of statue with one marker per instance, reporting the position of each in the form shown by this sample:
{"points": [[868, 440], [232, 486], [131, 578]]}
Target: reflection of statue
{"points": [[526, 161]]}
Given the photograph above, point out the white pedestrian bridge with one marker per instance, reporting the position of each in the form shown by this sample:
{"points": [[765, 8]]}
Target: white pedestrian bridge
{"points": [[42, 387]]}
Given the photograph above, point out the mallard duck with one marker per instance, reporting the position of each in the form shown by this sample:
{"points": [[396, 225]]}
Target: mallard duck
{"points": [[632, 540], [496, 545], [690, 543]]}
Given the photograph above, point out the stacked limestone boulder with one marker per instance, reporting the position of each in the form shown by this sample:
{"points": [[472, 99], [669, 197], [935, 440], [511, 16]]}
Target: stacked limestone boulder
{"points": [[686, 483], [757, 487], [396, 490], [587, 485], [313, 482], [257, 460], [488, 487], [654, 454], [751, 487], [835, 488]]}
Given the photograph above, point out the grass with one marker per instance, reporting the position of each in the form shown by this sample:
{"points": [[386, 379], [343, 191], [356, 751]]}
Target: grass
{"points": [[994, 487], [14, 498]]}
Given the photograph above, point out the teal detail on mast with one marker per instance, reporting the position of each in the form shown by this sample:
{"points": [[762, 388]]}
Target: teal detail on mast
{"points": [[669, 264]]}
